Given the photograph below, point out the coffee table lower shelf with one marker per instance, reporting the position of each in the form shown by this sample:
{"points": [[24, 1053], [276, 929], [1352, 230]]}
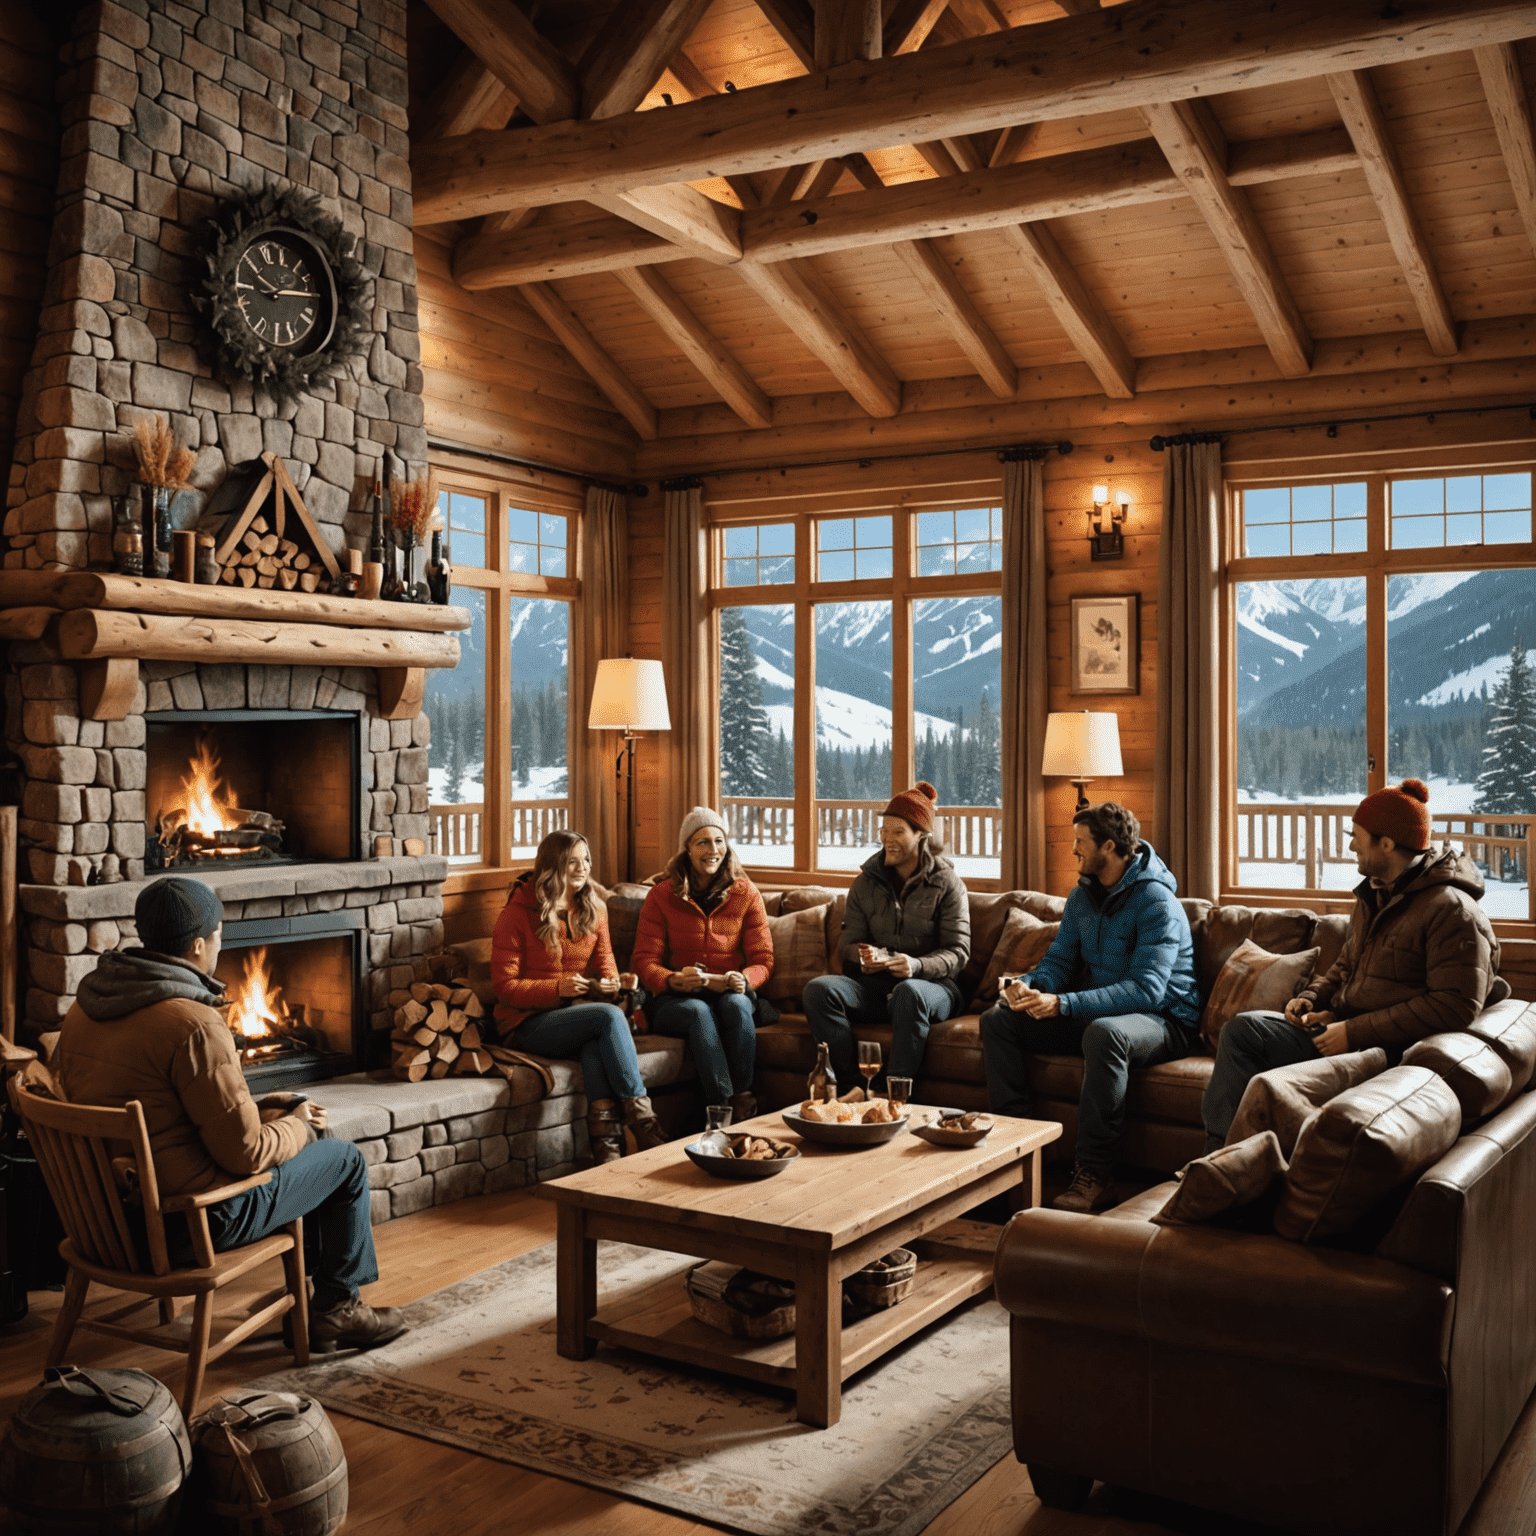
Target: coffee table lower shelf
{"points": [[655, 1319]]}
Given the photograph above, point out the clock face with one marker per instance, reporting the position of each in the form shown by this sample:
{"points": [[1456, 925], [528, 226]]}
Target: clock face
{"points": [[284, 293]]}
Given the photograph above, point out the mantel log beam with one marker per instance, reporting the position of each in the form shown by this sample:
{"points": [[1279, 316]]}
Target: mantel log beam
{"points": [[1136, 55], [1201, 166], [509, 45], [1356, 99], [1504, 86]]}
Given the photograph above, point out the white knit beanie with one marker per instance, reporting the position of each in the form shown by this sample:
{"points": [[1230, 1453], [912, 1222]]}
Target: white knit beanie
{"points": [[695, 821]]}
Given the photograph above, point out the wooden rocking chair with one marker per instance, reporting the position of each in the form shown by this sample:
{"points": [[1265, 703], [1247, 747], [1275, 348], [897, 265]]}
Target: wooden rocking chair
{"points": [[93, 1190]]}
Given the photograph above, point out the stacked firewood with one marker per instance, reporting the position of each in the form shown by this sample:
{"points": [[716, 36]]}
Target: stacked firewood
{"points": [[437, 1031], [264, 559]]}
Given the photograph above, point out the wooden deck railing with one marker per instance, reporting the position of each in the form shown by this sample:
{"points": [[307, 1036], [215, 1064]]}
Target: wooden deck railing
{"points": [[1314, 836], [971, 831], [460, 829]]}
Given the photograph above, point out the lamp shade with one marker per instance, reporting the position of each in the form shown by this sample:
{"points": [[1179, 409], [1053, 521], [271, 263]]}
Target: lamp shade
{"points": [[629, 695], [1082, 745]]}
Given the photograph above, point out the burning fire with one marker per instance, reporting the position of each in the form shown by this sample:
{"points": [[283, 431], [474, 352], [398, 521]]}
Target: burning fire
{"points": [[210, 806], [257, 1008]]}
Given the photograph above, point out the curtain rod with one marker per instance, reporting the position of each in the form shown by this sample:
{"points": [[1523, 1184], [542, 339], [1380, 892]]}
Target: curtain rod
{"points": [[1007, 454], [623, 487], [1177, 440]]}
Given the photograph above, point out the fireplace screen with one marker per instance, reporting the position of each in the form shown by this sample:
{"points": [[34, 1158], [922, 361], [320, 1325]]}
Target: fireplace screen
{"points": [[251, 787]]}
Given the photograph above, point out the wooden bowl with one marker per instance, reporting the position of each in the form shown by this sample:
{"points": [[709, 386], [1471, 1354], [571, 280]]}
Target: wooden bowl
{"points": [[855, 1135], [741, 1167], [942, 1135], [884, 1287]]}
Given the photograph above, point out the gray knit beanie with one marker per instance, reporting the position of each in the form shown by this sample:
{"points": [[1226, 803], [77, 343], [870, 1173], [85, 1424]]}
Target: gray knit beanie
{"points": [[173, 912], [695, 821]]}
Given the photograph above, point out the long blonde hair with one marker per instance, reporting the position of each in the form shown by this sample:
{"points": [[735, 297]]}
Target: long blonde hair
{"points": [[548, 878]]}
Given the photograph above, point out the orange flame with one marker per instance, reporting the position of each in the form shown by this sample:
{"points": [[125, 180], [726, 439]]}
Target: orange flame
{"points": [[258, 1009], [210, 805]]}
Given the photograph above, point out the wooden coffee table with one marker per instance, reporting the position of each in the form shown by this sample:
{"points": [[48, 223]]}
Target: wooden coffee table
{"points": [[819, 1221]]}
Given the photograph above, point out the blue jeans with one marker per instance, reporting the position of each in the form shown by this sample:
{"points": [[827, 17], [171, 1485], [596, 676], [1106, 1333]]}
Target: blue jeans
{"points": [[834, 1004], [1110, 1047], [1247, 1045], [597, 1035], [720, 1034], [326, 1184]]}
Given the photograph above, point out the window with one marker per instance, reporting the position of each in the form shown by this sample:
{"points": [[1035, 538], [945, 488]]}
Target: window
{"points": [[498, 760], [880, 633], [1413, 664]]}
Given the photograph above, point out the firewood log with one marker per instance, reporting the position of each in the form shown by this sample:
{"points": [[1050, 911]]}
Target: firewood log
{"points": [[456, 1021], [267, 566], [251, 540], [439, 990], [411, 1012], [247, 576], [266, 583], [288, 549], [423, 1035], [460, 996], [447, 1048], [416, 1066], [309, 581], [287, 579], [421, 991], [259, 525], [227, 575], [398, 998], [437, 1017], [439, 1068], [301, 561], [474, 1008], [472, 1064], [470, 1039], [250, 557], [268, 545]]}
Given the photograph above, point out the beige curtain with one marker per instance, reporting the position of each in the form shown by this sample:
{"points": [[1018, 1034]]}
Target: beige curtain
{"points": [[599, 630], [689, 753], [1186, 784], [1024, 675]]}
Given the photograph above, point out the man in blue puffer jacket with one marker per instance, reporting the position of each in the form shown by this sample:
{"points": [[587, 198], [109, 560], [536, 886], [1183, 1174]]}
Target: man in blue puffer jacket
{"points": [[1117, 987]]}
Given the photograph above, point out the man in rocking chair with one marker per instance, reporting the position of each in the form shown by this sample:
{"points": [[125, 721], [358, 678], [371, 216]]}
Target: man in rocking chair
{"points": [[144, 1027]]}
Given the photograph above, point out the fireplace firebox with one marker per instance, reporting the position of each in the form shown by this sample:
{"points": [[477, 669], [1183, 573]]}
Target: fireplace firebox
{"points": [[233, 787], [295, 996]]}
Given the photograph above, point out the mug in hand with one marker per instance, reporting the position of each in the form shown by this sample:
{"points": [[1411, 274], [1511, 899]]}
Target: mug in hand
{"points": [[287, 1102], [628, 981]]}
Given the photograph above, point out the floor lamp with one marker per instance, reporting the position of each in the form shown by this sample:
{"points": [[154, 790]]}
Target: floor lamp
{"points": [[628, 696], [1082, 747]]}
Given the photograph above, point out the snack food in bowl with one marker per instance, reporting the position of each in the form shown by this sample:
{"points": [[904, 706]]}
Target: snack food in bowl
{"points": [[743, 1157], [845, 1124], [957, 1129]]}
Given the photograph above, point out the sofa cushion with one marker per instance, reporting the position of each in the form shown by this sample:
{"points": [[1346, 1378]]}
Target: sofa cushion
{"points": [[989, 913], [799, 952], [1362, 1145], [1236, 1174], [801, 896], [1510, 1028], [1254, 978], [1218, 930], [1475, 1072], [1020, 948], [1283, 1099], [624, 903]]}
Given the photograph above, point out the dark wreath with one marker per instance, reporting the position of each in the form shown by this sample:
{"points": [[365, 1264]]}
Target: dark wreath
{"points": [[281, 374]]}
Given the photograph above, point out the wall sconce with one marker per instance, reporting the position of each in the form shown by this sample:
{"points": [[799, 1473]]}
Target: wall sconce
{"points": [[1105, 540]]}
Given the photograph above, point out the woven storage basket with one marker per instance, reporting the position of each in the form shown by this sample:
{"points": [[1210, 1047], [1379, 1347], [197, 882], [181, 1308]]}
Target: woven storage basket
{"points": [[752, 1306], [885, 1282]]}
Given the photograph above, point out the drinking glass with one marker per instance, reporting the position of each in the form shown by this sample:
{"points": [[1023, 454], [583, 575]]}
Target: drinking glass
{"points": [[898, 1090], [869, 1063], [716, 1118]]}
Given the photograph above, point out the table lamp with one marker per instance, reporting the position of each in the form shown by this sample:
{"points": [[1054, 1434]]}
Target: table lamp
{"points": [[1082, 747], [628, 696]]}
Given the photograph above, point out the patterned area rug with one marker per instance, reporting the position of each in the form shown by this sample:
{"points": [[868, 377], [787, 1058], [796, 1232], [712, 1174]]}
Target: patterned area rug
{"points": [[479, 1370]]}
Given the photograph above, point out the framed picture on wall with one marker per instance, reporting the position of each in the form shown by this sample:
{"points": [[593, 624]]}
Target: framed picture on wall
{"points": [[1105, 645]]}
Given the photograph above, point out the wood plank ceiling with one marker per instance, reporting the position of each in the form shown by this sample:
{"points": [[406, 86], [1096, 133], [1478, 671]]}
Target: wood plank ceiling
{"points": [[725, 203]]}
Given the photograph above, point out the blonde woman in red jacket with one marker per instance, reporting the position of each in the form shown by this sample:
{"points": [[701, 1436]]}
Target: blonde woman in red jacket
{"points": [[553, 968], [701, 946]]}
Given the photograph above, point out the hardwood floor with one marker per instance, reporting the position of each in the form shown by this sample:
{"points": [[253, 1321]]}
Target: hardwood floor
{"points": [[400, 1483]]}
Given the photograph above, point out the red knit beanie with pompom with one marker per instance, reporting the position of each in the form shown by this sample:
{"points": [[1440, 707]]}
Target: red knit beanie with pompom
{"points": [[1401, 813], [915, 806]]}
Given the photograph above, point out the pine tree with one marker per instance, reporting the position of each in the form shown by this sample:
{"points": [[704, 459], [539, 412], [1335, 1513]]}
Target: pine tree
{"points": [[453, 789], [1508, 778], [523, 744], [987, 784], [746, 741], [782, 778]]}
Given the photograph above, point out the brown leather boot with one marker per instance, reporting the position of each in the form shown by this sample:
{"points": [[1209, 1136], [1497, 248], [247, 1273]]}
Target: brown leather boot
{"points": [[641, 1119], [605, 1131], [743, 1107], [353, 1325]]}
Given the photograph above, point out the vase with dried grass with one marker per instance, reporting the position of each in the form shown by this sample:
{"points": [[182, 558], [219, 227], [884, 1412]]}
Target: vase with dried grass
{"points": [[164, 468], [412, 509]]}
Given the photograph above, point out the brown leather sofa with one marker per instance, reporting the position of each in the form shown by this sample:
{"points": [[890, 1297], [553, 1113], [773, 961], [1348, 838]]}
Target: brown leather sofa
{"points": [[1310, 1388]]}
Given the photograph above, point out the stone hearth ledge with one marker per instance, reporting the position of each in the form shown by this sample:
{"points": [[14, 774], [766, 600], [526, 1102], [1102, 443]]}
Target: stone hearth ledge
{"points": [[87, 903]]}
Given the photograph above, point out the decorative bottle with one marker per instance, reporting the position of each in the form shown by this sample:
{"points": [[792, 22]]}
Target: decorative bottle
{"points": [[127, 539], [439, 572], [378, 538], [821, 1085]]}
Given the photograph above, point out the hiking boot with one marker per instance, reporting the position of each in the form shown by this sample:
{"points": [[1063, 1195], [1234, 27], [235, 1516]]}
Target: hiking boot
{"points": [[605, 1131], [1085, 1193], [354, 1325], [743, 1107], [640, 1117]]}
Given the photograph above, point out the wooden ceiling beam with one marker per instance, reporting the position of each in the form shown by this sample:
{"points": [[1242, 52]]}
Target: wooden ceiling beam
{"points": [[1076, 308], [1138, 54], [1504, 86], [1201, 166], [604, 372], [697, 85], [1323, 152], [462, 102], [846, 30], [508, 43], [795, 292], [909, 24], [497, 259], [695, 224], [704, 351], [641, 39], [795, 22], [1356, 99]]}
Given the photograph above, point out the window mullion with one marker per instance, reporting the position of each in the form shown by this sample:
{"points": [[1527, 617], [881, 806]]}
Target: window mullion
{"points": [[805, 700], [1376, 635], [901, 649]]}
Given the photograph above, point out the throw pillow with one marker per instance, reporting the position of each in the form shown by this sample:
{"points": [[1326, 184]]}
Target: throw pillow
{"points": [[1471, 1067], [799, 953], [1359, 1147], [1254, 979], [1283, 1099], [1511, 1032], [1020, 948], [1236, 1174]]}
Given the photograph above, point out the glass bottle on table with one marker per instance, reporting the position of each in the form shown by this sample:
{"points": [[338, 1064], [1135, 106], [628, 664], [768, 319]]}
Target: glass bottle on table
{"points": [[821, 1085]]}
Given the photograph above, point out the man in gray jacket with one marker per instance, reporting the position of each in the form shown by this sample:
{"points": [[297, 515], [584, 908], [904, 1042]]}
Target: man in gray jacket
{"points": [[906, 939]]}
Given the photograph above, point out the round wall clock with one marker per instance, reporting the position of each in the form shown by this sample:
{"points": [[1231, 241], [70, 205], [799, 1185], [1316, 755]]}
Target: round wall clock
{"points": [[284, 299]]}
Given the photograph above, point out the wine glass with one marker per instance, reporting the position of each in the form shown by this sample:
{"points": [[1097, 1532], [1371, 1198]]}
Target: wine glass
{"points": [[716, 1118], [898, 1090], [869, 1063]]}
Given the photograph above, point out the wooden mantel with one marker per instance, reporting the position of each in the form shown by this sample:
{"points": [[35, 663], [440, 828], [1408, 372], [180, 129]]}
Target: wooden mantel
{"points": [[108, 624]]}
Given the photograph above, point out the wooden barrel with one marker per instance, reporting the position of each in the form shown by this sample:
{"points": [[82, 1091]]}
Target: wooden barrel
{"points": [[94, 1451], [268, 1464]]}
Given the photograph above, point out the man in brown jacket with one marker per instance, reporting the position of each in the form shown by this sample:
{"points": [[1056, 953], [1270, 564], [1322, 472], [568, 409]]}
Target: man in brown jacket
{"points": [[144, 1027], [1421, 958]]}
